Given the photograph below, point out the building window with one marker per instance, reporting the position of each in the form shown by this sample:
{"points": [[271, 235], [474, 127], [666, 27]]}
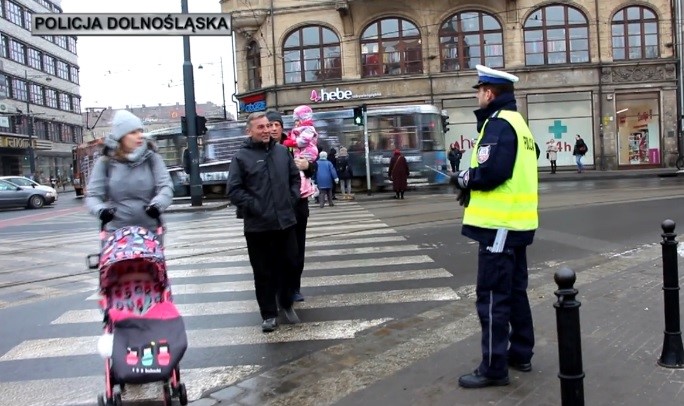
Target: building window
{"points": [[61, 41], [635, 34], [71, 45], [556, 34], [312, 54], [391, 46], [36, 94], [27, 19], [19, 91], [74, 74], [39, 130], [49, 64], [76, 104], [64, 102], [470, 38], [51, 98], [52, 131], [78, 135], [4, 87], [21, 124], [67, 133], [4, 43], [62, 70], [35, 59], [253, 66], [17, 51], [14, 13]]}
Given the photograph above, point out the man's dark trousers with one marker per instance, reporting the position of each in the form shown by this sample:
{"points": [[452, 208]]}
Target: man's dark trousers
{"points": [[273, 256], [504, 310]]}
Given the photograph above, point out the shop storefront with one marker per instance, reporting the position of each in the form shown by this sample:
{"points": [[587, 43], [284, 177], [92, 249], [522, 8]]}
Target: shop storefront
{"points": [[638, 129], [558, 118]]}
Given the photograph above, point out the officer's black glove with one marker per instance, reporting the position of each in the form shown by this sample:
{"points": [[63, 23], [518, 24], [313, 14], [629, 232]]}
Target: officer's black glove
{"points": [[107, 215], [463, 197], [152, 211]]}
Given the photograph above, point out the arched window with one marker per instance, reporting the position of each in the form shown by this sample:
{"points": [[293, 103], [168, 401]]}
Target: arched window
{"points": [[312, 54], [470, 38], [556, 34], [253, 66], [635, 34], [391, 46]]}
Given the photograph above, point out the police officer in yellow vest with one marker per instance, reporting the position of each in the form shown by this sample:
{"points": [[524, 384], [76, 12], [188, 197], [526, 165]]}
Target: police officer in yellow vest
{"points": [[499, 193]]}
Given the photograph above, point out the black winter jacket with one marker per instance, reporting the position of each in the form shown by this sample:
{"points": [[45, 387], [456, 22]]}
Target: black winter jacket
{"points": [[264, 183]]}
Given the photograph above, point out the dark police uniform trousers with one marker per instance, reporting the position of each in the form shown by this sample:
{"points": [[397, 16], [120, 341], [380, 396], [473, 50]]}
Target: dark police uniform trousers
{"points": [[504, 309]]}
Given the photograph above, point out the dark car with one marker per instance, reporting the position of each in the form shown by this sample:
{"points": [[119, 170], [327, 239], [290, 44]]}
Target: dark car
{"points": [[12, 195]]}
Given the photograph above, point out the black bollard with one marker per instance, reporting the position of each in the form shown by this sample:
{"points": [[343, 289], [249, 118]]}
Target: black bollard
{"points": [[569, 339], [673, 352]]}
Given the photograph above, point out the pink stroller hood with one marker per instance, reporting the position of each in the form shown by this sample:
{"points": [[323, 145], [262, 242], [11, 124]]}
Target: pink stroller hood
{"points": [[131, 249]]}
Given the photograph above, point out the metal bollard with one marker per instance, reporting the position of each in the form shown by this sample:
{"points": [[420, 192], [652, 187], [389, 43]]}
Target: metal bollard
{"points": [[569, 339], [673, 352]]}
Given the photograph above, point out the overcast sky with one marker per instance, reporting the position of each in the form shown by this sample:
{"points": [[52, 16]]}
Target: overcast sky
{"points": [[120, 71]]}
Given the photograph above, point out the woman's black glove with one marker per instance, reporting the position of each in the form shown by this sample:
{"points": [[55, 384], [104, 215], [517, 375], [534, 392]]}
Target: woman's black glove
{"points": [[107, 215], [152, 211]]}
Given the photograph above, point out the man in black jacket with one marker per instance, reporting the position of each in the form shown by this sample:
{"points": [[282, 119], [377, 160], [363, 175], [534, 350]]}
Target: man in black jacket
{"points": [[264, 183]]}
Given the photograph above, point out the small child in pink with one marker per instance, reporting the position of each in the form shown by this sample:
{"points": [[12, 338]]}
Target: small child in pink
{"points": [[303, 139]]}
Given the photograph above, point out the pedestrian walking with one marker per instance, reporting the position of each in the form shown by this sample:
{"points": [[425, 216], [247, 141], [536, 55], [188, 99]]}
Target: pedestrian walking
{"points": [[499, 193], [344, 171], [129, 184], [275, 120], [332, 157], [398, 173], [552, 154], [264, 182], [455, 155], [579, 151], [326, 177]]}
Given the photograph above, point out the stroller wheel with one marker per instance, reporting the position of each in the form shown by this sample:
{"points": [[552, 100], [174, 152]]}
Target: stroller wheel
{"points": [[182, 394], [167, 395], [101, 401], [117, 400]]}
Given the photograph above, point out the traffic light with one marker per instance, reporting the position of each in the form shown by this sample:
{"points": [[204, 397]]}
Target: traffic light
{"points": [[201, 125], [445, 124], [358, 116]]}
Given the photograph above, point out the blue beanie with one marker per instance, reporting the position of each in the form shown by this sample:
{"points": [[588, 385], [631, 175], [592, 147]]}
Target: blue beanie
{"points": [[123, 123]]}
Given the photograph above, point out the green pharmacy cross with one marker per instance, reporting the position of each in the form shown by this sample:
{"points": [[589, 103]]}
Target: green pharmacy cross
{"points": [[558, 129]]}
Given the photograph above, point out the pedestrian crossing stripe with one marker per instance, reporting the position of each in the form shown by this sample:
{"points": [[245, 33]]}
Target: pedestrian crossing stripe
{"points": [[82, 390], [205, 338], [313, 302], [348, 249]]}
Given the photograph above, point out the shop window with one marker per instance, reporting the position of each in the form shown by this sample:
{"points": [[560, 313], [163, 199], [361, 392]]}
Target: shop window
{"points": [[391, 46], [638, 124], [470, 38], [556, 34], [635, 34], [253, 66], [312, 54]]}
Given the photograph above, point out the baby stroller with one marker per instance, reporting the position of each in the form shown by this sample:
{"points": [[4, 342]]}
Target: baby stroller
{"points": [[144, 335]]}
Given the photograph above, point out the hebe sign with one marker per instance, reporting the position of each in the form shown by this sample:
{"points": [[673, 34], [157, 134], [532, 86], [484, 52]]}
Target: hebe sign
{"points": [[337, 94]]}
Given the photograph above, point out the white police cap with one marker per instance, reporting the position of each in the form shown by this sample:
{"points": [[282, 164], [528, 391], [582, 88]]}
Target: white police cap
{"points": [[489, 76]]}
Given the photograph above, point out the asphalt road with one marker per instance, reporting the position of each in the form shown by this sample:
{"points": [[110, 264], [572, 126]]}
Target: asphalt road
{"points": [[368, 262]]}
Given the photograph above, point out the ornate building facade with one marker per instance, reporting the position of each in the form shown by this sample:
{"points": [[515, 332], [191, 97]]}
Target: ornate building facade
{"points": [[605, 70]]}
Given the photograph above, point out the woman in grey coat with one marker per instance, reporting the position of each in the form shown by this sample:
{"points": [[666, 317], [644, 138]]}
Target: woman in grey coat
{"points": [[129, 185]]}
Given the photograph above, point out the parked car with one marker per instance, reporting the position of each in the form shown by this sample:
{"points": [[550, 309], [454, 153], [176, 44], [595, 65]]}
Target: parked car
{"points": [[12, 195], [24, 181]]}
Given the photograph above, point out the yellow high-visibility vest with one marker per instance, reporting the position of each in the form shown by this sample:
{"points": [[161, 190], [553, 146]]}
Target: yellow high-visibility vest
{"points": [[512, 205]]}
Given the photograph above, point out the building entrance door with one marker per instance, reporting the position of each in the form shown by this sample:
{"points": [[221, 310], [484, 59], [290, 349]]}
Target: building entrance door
{"points": [[10, 166]]}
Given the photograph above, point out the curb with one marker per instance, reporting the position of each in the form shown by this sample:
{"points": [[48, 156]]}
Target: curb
{"points": [[187, 208]]}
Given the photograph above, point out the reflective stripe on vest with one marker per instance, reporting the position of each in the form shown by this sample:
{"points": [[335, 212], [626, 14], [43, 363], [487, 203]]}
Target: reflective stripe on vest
{"points": [[512, 205]]}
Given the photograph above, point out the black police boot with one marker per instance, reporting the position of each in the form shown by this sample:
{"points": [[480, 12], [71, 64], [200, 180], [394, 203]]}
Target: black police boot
{"points": [[520, 366], [475, 380]]}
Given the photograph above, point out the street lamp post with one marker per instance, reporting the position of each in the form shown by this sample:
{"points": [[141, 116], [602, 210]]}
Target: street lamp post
{"points": [[223, 89], [191, 118]]}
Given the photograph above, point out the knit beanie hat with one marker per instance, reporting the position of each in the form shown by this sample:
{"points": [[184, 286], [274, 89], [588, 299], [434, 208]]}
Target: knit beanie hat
{"points": [[123, 123], [302, 113], [274, 116]]}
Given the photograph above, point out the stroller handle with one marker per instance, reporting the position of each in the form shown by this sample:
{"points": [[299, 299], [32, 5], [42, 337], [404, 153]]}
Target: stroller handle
{"points": [[160, 225]]}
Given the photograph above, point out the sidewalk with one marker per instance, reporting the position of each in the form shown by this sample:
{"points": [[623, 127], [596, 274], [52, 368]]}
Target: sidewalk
{"points": [[417, 361]]}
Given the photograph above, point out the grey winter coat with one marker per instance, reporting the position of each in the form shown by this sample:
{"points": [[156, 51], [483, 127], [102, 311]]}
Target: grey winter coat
{"points": [[131, 187], [263, 181]]}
